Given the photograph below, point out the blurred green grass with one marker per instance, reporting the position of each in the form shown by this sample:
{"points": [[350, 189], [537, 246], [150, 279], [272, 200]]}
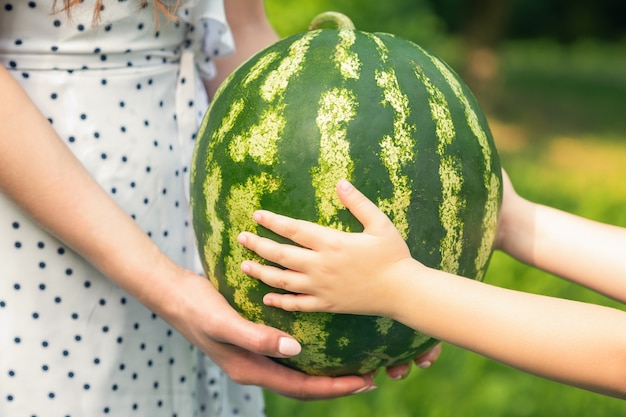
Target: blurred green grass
{"points": [[558, 116]]}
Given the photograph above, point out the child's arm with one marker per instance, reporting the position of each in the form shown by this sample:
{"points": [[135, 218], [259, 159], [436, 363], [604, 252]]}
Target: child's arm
{"points": [[579, 344], [581, 250]]}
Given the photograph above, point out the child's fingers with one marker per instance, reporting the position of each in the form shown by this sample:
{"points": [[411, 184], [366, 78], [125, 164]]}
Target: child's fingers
{"points": [[293, 302], [289, 256], [275, 277], [370, 216], [302, 232]]}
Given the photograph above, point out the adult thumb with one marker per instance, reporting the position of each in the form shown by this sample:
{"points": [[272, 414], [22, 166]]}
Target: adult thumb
{"points": [[259, 338]]}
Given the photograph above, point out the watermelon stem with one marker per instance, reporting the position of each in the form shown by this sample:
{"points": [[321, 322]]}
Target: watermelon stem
{"points": [[336, 19]]}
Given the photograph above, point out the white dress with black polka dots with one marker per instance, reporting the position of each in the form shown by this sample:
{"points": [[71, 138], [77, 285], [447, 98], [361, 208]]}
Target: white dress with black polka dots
{"points": [[124, 97]]}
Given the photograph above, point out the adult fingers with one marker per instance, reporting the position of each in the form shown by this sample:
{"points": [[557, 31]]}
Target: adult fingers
{"points": [[226, 326], [423, 361], [428, 358], [247, 368], [316, 388], [294, 384], [400, 371]]}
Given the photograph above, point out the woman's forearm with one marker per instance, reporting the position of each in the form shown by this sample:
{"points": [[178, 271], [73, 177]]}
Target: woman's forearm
{"points": [[43, 177], [251, 31]]}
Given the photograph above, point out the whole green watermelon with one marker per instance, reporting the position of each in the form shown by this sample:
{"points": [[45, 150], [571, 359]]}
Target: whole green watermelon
{"points": [[338, 103]]}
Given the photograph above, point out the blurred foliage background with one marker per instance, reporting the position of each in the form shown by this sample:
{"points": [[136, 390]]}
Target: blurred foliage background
{"points": [[551, 76]]}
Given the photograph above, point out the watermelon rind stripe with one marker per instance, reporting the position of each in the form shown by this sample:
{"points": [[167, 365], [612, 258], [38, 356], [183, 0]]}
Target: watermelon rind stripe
{"points": [[491, 180], [337, 108], [450, 174]]}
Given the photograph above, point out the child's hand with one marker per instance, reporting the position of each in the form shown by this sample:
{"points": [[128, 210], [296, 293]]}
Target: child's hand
{"points": [[333, 271]]}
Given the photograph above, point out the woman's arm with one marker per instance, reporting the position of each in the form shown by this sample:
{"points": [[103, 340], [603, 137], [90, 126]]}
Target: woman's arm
{"points": [[579, 344], [251, 31], [42, 176]]}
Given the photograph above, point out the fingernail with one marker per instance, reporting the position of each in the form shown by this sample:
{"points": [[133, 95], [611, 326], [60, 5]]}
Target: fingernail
{"points": [[345, 185], [245, 267], [366, 388], [267, 300], [425, 364], [288, 346], [241, 238]]}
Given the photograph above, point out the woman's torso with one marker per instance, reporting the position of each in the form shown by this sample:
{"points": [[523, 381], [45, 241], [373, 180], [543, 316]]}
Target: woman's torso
{"points": [[73, 343]]}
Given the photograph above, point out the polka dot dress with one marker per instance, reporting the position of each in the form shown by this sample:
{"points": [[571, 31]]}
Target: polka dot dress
{"points": [[124, 96]]}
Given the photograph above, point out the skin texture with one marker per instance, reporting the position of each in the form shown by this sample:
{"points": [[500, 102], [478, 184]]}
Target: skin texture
{"points": [[572, 342], [42, 176]]}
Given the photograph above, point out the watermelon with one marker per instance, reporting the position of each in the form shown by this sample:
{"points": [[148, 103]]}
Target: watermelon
{"points": [[334, 103]]}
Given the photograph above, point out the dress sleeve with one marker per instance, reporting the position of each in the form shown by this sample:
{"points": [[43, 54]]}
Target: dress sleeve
{"points": [[209, 35]]}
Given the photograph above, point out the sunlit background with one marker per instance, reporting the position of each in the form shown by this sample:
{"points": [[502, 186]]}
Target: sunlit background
{"points": [[551, 76]]}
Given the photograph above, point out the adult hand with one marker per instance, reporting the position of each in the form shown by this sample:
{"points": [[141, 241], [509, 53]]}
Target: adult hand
{"points": [[242, 348], [425, 360]]}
